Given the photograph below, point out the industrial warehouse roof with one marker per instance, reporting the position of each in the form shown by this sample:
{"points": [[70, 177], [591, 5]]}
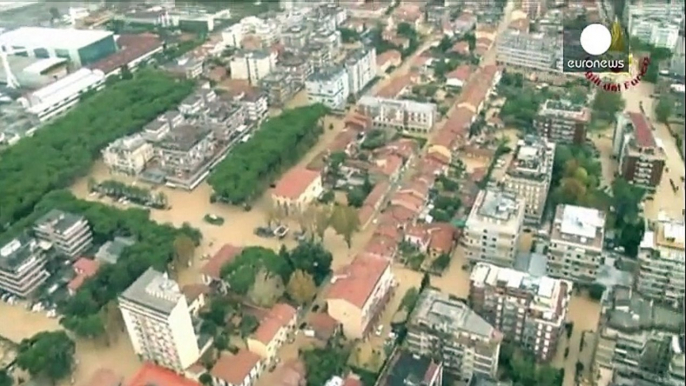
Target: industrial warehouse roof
{"points": [[37, 37]]}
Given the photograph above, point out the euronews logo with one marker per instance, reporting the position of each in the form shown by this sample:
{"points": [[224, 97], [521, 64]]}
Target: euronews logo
{"points": [[602, 49]]}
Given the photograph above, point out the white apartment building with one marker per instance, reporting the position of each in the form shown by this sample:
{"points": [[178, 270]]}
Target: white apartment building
{"points": [[361, 67], [329, 86], [445, 327], [265, 30], [528, 309], [529, 51], [662, 261], [58, 97], [493, 227], [529, 175], [576, 243], [159, 322], [252, 65], [156, 130], [656, 22], [70, 234], [128, 155], [404, 115], [22, 266]]}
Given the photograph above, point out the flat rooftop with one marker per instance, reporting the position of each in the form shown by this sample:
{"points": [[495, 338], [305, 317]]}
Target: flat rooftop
{"points": [[407, 369], [533, 159], [628, 310], [670, 235], [565, 109], [439, 311], [579, 225], [498, 205], [153, 290], [59, 221], [17, 251], [404, 105], [57, 38], [184, 137]]}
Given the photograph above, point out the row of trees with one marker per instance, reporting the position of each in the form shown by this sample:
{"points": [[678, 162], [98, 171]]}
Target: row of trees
{"points": [[260, 273], [92, 310], [65, 149], [521, 368], [251, 167]]}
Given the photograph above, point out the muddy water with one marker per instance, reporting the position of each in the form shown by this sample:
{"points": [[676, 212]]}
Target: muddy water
{"points": [[19, 323]]}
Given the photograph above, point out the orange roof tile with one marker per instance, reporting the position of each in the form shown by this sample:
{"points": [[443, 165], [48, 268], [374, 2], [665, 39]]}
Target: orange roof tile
{"points": [[461, 73], [277, 318], [86, 266], [151, 374], [442, 237], [234, 368], [395, 87], [323, 324], [224, 255], [391, 55], [352, 380], [356, 282], [295, 182]]}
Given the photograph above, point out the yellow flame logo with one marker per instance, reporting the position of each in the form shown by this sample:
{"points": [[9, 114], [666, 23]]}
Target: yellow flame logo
{"points": [[617, 43]]}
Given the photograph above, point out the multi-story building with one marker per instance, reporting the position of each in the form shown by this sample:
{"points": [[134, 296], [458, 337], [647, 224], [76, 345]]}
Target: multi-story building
{"points": [[279, 88], [297, 66], [639, 343], [318, 56], [361, 67], [661, 262], [156, 130], [196, 103], [295, 37], [22, 266], [562, 122], [359, 293], [527, 309], [265, 30], [159, 321], [657, 23], [404, 115], [409, 369], [329, 86], [128, 155], [69, 234], [183, 154], [529, 175], [529, 51], [252, 65], [641, 159], [444, 327], [493, 227], [329, 38], [576, 243]]}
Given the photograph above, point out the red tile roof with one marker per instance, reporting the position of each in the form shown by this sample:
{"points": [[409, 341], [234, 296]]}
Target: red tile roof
{"points": [[461, 73], [277, 318], [295, 182], [393, 55], [86, 266], [460, 48], [234, 368], [224, 255], [356, 282], [322, 324], [442, 237], [291, 373], [352, 380], [642, 131], [131, 47], [104, 377], [382, 246], [389, 165], [151, 374], [395, 86]]}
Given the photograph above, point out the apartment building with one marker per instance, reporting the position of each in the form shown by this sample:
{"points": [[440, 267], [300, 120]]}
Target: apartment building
{"points": [[639, 343], [527, 309], [22, 266], [529, 175], [406, 368], [265, 30], [576, 243], [297, 189], [297, 66], [403, 115], [662, 262], [159, 323], [359, 293], [444, 327], [69, 234], [641, 158], [195, 104], [252, 65], [361, 67], [295, 37], [493, 227], [128, 155], [275, 329], [183, 154], [329, 39], [563, 122], [529, 51], [658, 23], [279, 88], [329, 86], [156, 130]]}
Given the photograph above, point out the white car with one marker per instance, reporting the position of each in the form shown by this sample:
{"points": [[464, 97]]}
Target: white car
{"points": [[379, 330]]}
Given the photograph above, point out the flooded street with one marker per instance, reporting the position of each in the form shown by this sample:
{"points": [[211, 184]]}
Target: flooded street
{"points": [[20, 323]]}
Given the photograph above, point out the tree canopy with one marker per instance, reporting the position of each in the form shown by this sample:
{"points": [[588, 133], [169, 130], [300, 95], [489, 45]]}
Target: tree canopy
{"points": [[606, 104], [241, 272], [664, 109], [576, 175], [522, 369], [249, 169], [323, 363], [66, 148], [48, 355]]}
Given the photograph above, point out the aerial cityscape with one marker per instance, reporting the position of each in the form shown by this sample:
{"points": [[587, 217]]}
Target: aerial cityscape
{"points": [[342, 193]]}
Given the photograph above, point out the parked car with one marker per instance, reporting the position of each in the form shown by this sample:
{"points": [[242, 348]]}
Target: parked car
{"points": [[264, 232]]}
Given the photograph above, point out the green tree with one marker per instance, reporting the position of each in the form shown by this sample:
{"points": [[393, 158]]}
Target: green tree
{"points": [[322, 220], [323, 363], [607, 104], [312, 258], [664, 109], [206, 379], [356, 197], [184, 249], [48, 355], [242, 271], [247, 171], [248, 325], [345, 222], [5, 379], [267, 289], [409, 299], [301, 288]]}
